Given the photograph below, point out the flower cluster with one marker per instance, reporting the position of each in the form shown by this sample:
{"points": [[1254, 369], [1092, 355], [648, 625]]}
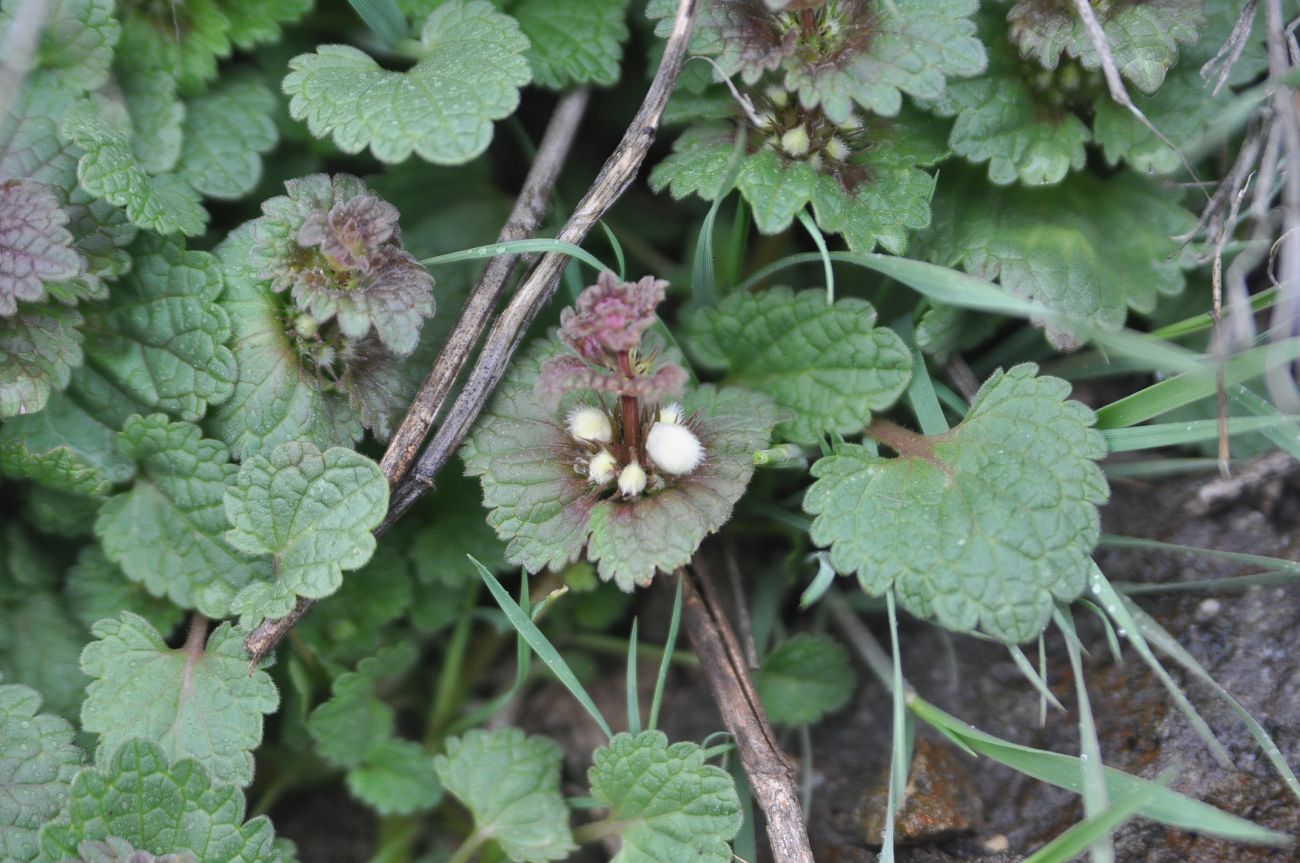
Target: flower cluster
{"points": [[623, 438]]}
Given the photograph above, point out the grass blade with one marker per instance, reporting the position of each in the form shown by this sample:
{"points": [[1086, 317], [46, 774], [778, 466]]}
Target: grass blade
{"points": [[1076, 840], [518, 247], [810, 225], [1035, 680], [383, 18], [633, 702], [1262, 561], [618, 250], [541, 645], [669, 647], [1093, 776], [1195, 431], [898, 756], [704, 277]]}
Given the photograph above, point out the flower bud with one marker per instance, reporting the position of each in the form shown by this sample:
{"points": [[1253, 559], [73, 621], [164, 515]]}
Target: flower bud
{"points": [[777, 95], [671, 413], [631, 480], [602, 467], [305, 326], [795, 142], [837, 149], [590, 424], [674, 448]]}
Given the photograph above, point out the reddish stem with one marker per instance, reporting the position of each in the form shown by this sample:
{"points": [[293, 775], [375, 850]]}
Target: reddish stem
{"points": [[631, 412]]}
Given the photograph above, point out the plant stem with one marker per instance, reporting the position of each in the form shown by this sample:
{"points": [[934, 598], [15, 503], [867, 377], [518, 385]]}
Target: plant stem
{"points": [[630, 415], [449, 678], [468, 848], [770, 772], [196, 638], [596, 831]]}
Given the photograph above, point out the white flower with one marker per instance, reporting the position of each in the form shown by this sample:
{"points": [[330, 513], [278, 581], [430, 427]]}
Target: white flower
{"points": [[671, 413], [602, 467], [631, 480], [590, 424], [674, 448], [795, 142]]}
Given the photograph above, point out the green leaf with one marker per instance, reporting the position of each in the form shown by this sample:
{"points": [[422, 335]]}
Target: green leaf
{"points": [[160, 340], [827, 365], [63, 447], [775, 189], [278, 396], [37, 763], [39, 348], [671, 805], [352, 624], [1006, 117], [40, 647], [96, 589], [455, 526], [160, 807], [983, 526], [312, 513], [579, 42], [397, 778], [225, 132], [255, 21], [805, 679], [200, 701], [110, 170], [698, 163], [1089, 249], [118, 850], [469, 73], [76, 39], [148, 93], [166, 531], [35, 244], [1142, 37], [510, 783], [353, 721]]}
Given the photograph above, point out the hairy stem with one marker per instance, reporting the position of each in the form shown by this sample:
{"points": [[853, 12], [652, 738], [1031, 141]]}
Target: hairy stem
{"points": [[769, 771], [630, 415], [196, 639]]}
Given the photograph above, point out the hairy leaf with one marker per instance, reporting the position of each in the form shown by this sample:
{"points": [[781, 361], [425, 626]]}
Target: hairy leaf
{"points": [[225, 132], [354, 719], [144, 75], [63, 447], [510, 783], [197, 702], [469, 74], [827, 365], [353, 623], [117, 850], [1088, 250], [579, 42], [37, 763], [166, 531], [76, 39], [161, 337], [984, 526], [39, 347], [671, 805], [96, 589], [161, 807], [40, 645], [456, 526], [312, 513], [1142, 37], [278, 396], [110, 170], [805, 679], [397, 778], [35, 244]]}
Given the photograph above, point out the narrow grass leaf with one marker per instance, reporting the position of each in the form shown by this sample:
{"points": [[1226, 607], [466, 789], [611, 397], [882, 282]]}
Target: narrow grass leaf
{"points": [[1095, 798], [383, 18], [898, 757], [819, 241], [704, 278], [541, 645], [633, 702], [669, 646], [1285, 438], [518, 247], [1034, 678], [1076, 840], [1265, 299], [1263, 561], [1193, 431], [617, 247]]}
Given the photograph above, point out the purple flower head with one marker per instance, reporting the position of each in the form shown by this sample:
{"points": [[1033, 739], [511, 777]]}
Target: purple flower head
{"points": [[351, 232], [610, 316]]}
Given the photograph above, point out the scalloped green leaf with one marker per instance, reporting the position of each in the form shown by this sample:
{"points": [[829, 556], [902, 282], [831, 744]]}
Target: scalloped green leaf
{"points": [[804, 679], [546, 513], [114, 849], [510, 783], [96, 588], [199, 701], [166, 530], [226, 131], [987, 525], [40, 645], [159, 807], [670, 804], [828, 366], [353, 623], [1000, 118], [1142, 37], [63, 447], [397, 778], [577, 42], [35, 244], [311, 513], [278, 396], [1087, 249], [147, 83], [76, 39], [37, 763], [160, 339], [354, 720], [30, 146], [454, 525], [471, 67], [110, 170], [39, 348]]}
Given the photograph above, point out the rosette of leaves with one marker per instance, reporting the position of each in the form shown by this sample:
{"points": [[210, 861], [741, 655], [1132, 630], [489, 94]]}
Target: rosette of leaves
{"points": [[581, 447], [862, 178], [987, 525], [838, 54], [1031, 118], [326, 303]]}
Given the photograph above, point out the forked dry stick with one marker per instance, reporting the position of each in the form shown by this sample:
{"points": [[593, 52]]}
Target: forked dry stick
{"points": [[615, 176]]}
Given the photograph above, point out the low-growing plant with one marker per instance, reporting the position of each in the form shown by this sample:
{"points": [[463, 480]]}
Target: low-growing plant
{"points": [[289, 405]]}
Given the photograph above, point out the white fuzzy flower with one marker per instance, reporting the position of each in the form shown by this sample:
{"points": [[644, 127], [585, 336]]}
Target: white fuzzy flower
{"points": [[671, 413], [602, 467], [795, 142], [631, 480], [590, 424], [674, 448]]}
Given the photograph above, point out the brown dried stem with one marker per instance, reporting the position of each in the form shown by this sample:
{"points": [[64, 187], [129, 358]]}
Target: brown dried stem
{"points": [[615, 176], [770, 773]]}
